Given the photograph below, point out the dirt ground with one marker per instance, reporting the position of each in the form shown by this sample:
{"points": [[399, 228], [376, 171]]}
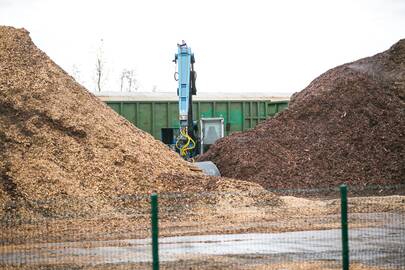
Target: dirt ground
{"points": [[292, 214], [202, 265], [219, 263], [209, 263]]}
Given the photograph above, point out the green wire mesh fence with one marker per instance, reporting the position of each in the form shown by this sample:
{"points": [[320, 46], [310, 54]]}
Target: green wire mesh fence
{"points": [[281, 229]]}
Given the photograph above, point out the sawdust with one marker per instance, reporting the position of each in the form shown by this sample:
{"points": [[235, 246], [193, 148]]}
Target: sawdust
{"points": [[312, 266], [373, 204], [64, 153]]}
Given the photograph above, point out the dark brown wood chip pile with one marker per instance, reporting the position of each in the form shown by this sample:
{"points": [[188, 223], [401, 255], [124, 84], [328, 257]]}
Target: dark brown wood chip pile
{"points": [[64, 152], [348, 126]]}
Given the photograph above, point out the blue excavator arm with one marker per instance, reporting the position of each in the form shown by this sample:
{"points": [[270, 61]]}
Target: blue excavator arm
{"points": [[186, 76]]}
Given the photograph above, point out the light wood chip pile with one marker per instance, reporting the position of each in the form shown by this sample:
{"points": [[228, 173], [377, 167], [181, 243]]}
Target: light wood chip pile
{"points": [[63, 151]]}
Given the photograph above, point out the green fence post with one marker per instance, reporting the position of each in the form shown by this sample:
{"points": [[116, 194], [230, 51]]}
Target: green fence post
{"points": [[345, 231], [155, 231]]}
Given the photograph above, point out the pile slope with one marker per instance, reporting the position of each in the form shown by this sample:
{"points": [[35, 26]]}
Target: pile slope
{"points": [[63, 152], [348, 126]]}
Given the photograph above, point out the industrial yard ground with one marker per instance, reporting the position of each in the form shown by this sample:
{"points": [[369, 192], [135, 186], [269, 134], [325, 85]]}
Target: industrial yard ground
{"points": [[76, 177], [223, 236]]}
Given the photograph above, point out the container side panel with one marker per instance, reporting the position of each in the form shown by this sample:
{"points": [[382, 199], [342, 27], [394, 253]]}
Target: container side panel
{"points": [[254, 122], [254, 108], [115, 106], [129, 112], [248, 115], [274, 108], [145, 117], [221, 110], [174, 115], [271, 109], [248, 112], [206, 109], [160, 119], [282, 106], [262, 109], [236, 117], [247, 123]]}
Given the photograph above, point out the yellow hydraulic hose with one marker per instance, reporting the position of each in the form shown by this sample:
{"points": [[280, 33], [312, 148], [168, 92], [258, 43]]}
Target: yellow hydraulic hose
{"points": [[186, 147]]}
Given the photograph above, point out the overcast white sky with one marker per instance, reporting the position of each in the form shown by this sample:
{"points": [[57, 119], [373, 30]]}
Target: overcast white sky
{"points": [[240, 46]]}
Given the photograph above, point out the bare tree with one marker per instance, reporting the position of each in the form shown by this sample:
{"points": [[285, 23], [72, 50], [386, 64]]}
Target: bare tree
{"points": [[75, 72], [99, 73], [128, 80], [100, 66], [122, 78]]}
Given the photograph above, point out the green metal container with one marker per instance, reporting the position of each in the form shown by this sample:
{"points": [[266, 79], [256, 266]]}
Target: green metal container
{"points": [[239, 115]]}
